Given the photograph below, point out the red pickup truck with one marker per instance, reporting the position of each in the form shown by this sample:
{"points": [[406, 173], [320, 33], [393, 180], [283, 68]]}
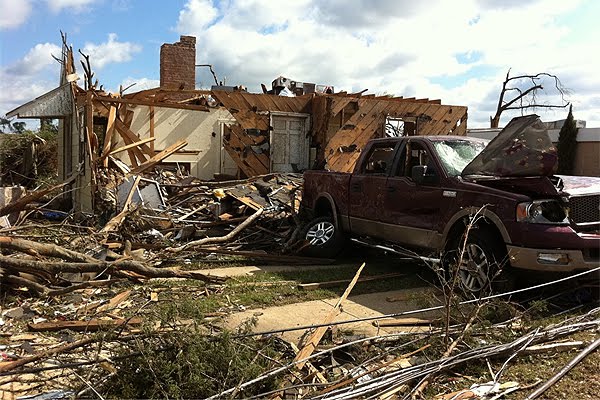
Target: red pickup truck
{"points": [[421, 192]]}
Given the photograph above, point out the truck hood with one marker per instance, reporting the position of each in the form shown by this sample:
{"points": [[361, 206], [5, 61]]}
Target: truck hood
{"points": [[522, 148], [579, 185], [540, 186]]}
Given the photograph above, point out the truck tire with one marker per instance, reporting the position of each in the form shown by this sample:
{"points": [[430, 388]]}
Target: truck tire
{"points": [[323, 237], [484, 267]]}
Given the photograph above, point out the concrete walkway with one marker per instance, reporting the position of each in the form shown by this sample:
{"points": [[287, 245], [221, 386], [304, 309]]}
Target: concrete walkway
{"points": [[360, 306], [253, 270]]}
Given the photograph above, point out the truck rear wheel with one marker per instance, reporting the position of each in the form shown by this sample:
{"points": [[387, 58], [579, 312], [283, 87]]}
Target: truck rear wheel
{"points": [[483, 267], [323, 237]]}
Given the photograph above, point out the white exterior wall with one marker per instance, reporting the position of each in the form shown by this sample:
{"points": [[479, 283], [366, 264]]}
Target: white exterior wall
{"points": [[201, 129]]}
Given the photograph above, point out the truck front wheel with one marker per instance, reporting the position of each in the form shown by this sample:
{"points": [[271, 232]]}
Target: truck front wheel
{"points": [[323, 237], [483, 266]]}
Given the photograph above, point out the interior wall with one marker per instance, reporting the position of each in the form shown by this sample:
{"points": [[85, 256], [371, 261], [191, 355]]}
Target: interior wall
{"points": [[201, 129]]}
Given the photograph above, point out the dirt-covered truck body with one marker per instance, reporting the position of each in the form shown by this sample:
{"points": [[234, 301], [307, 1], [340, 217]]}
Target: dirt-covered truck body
{"points": [[421, 192]]}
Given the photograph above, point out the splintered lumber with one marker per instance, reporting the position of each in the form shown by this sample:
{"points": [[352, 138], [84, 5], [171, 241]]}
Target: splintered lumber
{"points": [[91, 325], [316, 337], [311, 368], [130, 146], [158, 157], [118, 219], [576, 360], [21, 204], [318, 285], [110, 129]]}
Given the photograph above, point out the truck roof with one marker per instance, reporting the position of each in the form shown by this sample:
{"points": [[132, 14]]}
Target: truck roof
{"points": [[435, 138]]}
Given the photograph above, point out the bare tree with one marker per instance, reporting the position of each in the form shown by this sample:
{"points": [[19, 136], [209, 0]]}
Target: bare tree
{"points": [[521, 93]]}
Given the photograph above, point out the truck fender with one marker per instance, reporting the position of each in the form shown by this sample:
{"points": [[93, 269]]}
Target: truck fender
{"points": [[331, 202], [489, 215]]}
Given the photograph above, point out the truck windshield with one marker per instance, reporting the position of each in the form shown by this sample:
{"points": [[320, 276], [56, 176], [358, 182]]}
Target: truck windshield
{"points": [[456, 154]]}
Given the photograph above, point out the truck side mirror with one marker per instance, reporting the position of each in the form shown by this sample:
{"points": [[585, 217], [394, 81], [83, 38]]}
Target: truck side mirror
{"points": [[418, 173]]}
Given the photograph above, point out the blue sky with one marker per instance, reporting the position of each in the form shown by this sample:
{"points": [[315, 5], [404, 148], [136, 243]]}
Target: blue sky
{"points": [[457, 51]]}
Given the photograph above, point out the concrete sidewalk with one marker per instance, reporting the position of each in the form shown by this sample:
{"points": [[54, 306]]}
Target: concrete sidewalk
{"points": [[360, 306]]}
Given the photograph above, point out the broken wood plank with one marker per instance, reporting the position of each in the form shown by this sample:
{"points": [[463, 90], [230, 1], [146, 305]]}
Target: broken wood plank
{"points": [[311, 368], [118, 219], [91, 325], [107, 99], [115, 301], [316, 337], [318, 285], [110, 130], [158, 157], [194, 211], [131, 145]]}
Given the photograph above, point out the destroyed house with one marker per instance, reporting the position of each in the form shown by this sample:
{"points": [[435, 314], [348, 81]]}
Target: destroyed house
{"points": [[225, 131]]}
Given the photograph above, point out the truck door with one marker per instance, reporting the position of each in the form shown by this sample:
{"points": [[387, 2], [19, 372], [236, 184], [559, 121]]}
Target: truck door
{"points": [[367, 188], [413, 209]]}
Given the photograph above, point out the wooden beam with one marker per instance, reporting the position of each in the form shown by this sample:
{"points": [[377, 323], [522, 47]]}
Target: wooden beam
{"points": [[158, 158], [108, 99], [152, 126], [110, 129], [131, 145]]}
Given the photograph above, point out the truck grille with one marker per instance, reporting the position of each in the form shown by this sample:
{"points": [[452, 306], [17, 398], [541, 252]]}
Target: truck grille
{"points": [[585, 209]]}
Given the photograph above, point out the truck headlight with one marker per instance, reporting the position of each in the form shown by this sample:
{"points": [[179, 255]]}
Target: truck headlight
{"points": [[542, 212]]}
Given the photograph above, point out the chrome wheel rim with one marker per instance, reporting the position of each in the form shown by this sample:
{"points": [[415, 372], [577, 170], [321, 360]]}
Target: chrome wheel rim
{"points": [[473, 269], [320, 233]]}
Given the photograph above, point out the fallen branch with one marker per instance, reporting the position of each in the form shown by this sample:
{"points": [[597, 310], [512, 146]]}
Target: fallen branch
{"points": [[117, 268], [21, 204], [43, 249], [220, 239]]}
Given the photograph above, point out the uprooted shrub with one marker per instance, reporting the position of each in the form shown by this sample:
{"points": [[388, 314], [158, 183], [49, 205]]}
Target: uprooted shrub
{"points": [[193, 365], [28, 158]]}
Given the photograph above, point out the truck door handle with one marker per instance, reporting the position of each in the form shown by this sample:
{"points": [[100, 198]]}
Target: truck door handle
{"points": [[355, 187], [391, 189]]}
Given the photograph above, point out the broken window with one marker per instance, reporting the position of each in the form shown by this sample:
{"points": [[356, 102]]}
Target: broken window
{"points": [[400, 126], [456, 154], [415, 154], [380, 159]]}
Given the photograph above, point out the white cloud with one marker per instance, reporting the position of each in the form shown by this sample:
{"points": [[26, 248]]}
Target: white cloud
{"points": [[140, 84], [27, 78], [57, 6], [437, 50], [197, 14], [36, 60], [14, 13], [111, 51]]}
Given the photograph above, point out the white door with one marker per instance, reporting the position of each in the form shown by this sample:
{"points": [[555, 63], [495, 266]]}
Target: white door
{"points": [[289, 144], [226, 165]]}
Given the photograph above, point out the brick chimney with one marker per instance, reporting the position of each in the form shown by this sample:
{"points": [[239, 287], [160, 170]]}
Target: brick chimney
{"points": [[178, 64]]}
